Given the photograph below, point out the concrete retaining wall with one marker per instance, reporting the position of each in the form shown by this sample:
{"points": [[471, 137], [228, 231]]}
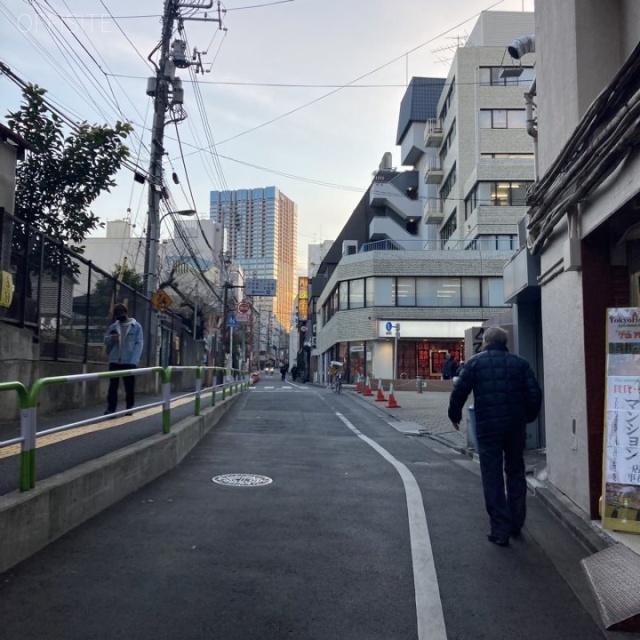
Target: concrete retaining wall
{"points": [[31, 520]]}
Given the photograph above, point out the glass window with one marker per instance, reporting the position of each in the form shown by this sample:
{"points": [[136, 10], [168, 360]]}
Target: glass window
{"points": [[484, 193], [485, 119], [356, 294], [406, 292], [501, 195], [504, 243], [516, 119], [334, 301], [499, 118], [344, 295], [449, 292], [492, 292], [384, 292], [427, 292], [470, 292], [527, 75], [484, 76], [518, 193], [369, 292]]}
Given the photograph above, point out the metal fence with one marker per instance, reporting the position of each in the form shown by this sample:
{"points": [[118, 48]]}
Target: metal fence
{"points": [[66, 301]]}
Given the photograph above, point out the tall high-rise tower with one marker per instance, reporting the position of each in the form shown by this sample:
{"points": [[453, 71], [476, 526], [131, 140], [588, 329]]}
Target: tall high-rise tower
{"points": [[260, 227]]}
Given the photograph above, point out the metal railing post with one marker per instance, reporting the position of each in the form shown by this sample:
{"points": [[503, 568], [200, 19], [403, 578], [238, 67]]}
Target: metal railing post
{"points": [[165, 377], [198, 391]]}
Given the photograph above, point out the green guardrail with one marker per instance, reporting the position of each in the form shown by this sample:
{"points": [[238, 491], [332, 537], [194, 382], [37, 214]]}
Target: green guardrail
{"points": [[29, 398]]}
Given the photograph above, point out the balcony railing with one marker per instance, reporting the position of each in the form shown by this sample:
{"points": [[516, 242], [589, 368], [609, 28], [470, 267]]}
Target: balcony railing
{"points": [[438, 245], [433, 211], [433, 171], [433, 132]]}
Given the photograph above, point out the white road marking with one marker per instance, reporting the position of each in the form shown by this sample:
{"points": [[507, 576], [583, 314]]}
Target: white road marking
{"points": [[428, 603]]}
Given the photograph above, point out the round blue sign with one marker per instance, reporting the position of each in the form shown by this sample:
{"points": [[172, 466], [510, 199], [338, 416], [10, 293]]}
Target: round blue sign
{"points": [[389, 326]]}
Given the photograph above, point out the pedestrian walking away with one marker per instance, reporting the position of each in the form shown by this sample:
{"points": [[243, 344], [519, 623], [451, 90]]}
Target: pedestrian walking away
{"points": [[124, 342], [449, 367], [506, 396], [283, 371]]}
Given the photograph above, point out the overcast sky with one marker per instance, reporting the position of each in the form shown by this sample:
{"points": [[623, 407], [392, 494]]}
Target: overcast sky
{"points": [[338, 139]]}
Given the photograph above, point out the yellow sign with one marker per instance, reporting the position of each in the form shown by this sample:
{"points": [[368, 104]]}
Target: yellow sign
{"points": [[303, 288], [303, 310], [6, 293], [161, 300]]}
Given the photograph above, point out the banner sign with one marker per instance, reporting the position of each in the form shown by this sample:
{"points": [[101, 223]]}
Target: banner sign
{"points": [[303, 310], [621, 478], [6, 290], [303, 288]]}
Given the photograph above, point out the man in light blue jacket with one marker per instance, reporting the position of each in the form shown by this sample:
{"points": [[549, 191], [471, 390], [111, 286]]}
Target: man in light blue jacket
{"points": [[124, 348]]}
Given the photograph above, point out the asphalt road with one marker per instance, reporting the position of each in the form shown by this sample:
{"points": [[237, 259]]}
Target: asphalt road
{"points": [[363, 534]]}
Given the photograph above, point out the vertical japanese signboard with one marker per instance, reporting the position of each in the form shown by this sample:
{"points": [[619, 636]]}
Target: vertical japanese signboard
{"points": [[303, 298], [621, 477]]}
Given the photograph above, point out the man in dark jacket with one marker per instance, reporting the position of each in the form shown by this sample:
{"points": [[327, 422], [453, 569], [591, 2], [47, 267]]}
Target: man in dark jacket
{"points": [[506, 396]]}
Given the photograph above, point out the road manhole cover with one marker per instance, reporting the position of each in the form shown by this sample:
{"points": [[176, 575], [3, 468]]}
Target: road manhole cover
{"points": [[242, 480]]}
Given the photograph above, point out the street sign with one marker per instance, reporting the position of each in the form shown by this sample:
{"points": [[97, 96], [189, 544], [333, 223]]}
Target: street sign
{"points": [[243, 307], [231, 321], [260, 287], [242, 317], [161, 300]]}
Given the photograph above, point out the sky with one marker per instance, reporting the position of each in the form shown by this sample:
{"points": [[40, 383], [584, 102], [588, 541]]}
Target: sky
{"points": [[300, 94]]}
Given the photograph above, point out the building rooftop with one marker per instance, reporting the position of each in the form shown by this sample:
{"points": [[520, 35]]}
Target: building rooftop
{"points": [[419, 103]]}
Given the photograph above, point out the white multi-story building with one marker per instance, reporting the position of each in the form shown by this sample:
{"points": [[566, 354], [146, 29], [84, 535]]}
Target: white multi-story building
{"points": [[425, 248], [583, 231]]}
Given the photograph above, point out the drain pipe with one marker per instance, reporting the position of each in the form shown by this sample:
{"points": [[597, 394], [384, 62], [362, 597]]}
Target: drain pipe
{"points": [[531, 123]]}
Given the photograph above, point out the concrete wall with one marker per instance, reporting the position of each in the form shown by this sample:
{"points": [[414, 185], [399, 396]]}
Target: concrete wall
{"points": [[29, 521], [580, 45]]}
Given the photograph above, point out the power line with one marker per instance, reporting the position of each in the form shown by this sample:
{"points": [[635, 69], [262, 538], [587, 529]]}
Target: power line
{"points": [[260, 6], [364, 75]]}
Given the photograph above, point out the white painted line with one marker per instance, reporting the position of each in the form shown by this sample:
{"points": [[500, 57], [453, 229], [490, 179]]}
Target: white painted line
{"points": [[269, 387], [428, 604]]}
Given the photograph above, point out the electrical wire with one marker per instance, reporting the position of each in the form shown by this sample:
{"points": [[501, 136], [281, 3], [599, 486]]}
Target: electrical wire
{"points": [[364, 75], [260, 6]]}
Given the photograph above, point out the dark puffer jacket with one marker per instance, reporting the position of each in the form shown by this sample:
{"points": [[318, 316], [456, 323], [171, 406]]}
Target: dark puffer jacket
{"points": [[506, 393]]}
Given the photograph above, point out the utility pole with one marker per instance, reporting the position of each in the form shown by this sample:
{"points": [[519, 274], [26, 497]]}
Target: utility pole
{"points": [[167, 93], [164, 76]]}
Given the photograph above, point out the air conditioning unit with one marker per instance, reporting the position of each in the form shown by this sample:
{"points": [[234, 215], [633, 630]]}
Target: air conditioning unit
{"points": [[349, 247]]}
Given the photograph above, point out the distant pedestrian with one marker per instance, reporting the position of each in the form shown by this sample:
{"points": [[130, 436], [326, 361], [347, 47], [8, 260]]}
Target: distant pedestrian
{"points": [[449, 368], [294, 373], [283, 372], [124, 347], [506, 396]]}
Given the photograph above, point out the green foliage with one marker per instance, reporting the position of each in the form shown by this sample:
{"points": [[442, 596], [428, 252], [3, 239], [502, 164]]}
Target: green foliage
{"points": [[54, 188], [108, 291]]}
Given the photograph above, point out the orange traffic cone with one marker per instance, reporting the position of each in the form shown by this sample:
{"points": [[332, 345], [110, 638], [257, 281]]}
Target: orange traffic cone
{"points": [[392, 404], [367, 388], [380, 395], [357, 390]]}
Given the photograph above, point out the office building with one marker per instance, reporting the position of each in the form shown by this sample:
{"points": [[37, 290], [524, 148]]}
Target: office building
{"points": [[260, 228]]}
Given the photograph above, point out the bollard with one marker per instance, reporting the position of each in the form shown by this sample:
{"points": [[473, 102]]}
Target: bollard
{"points": [[419, 384]]}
